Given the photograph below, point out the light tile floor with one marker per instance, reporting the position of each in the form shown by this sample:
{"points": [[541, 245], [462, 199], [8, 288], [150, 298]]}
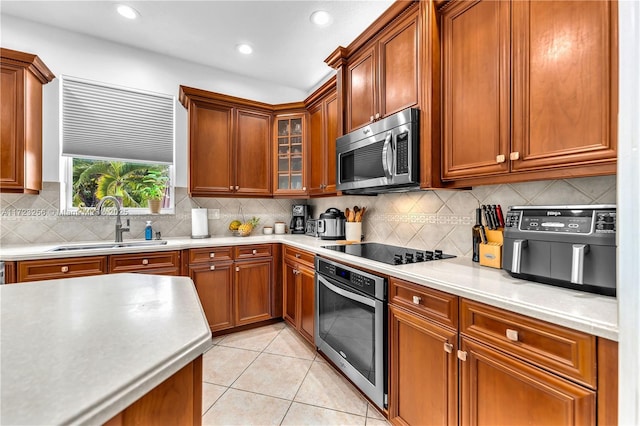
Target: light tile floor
{"points": [[271, 376]]}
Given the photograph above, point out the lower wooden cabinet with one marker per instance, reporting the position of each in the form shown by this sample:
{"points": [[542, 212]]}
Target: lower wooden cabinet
{"points": [[158, 263], [423, 389], [497, 389], [70, 267], [299, 292], [176, 401], [234, 293], [214, 284]]}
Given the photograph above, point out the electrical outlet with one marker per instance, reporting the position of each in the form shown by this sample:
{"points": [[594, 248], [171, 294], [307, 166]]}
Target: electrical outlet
{"points": [[214, 213]]}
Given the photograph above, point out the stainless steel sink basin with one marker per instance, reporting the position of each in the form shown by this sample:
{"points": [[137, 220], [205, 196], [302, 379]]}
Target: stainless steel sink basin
{"points": [[95, 246]]}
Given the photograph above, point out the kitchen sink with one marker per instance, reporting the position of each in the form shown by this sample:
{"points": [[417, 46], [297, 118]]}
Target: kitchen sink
{"points": [[96, 246]]}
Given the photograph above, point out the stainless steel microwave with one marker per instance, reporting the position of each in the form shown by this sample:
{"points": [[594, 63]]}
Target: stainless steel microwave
{"points": [[380, 157]]}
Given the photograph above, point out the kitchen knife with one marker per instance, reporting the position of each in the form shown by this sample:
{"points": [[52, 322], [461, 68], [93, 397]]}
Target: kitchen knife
{"points": [[487, 217], [494, 216], [500, 216]]}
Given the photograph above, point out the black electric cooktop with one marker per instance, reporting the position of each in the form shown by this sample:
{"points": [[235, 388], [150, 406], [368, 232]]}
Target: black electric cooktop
{"points": [[392, 255]]}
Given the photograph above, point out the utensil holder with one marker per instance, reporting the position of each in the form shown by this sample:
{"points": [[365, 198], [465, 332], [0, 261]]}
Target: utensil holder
{"points": [[353, 231], [491, 251]]}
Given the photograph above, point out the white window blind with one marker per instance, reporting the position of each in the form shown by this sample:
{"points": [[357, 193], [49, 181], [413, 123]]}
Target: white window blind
{"points": [[100, 121]]}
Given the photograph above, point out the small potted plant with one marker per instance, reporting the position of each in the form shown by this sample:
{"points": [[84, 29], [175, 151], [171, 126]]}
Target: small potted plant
{"points": [[153, 188]]}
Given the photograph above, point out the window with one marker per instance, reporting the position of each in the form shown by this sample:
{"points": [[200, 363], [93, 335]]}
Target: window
{"points": [[116, 141]]}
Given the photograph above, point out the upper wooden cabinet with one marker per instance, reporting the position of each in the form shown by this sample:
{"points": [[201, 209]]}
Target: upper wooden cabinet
{"points": [[291, 155], [383, 77], [529, 90], [323, 132], [229, 144], [22, 76]]}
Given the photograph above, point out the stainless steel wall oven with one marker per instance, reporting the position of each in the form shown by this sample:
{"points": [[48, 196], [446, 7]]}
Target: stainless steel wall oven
{"points": [[350, 326]]}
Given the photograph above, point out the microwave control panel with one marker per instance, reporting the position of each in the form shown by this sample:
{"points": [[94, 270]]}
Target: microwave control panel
{"points": [[564, 220]]}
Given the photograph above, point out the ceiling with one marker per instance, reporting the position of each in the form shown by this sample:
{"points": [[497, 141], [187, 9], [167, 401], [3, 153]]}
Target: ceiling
{"points": [[287, 48]]}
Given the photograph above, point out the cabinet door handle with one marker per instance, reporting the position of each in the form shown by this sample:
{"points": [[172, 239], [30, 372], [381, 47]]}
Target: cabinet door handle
{"points": [[416, 300], [304, 188], [145, 261], [212, 267], [237, 269], [231, 187], [237, 187], [371, 119], [212, 255], [254, 251], [448, 347], [514, 156], [377, 115], [512, 335], [462, 355], [64, 269], [500, 158]]}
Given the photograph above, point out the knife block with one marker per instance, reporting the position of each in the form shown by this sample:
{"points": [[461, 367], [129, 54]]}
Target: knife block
{"points": [[491, 251]]}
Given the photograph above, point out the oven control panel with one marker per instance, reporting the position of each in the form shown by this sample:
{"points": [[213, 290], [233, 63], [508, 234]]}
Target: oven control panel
{"points": [[366, 283]]}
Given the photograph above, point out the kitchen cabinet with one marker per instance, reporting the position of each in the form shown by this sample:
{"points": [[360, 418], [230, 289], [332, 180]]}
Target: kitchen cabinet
{"points": [[383, 77], [22, 76], [323, 132], [525, 364], [50, 269], [229, 147], [177, 401], [290, 159], [159, 263], [299, 291], [235, 284], [423, 370], [529, 90]]}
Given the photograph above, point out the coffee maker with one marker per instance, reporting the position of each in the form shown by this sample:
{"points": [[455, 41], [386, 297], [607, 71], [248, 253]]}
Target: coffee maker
{"points": [[299, 215]]}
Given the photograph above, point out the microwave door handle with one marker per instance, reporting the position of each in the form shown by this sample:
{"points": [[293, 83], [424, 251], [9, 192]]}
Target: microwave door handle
{"points": [[386, 149]]}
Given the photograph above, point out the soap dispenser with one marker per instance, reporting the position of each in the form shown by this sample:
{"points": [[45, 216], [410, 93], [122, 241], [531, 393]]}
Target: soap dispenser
{"points": [[148, 231]]}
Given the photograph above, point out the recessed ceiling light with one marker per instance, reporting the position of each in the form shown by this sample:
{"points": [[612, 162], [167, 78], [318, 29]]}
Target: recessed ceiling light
{"points": [[321, 18], [127, 11], [245, 49]]}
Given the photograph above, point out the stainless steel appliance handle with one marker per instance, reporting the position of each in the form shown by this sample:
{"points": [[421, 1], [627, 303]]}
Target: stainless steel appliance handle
{"points": [[345, 293], [320, 225], [577, 263], [518, 245], [386, 164], [2, 279]]}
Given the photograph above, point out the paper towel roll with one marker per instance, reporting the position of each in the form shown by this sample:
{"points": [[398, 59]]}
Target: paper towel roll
{"points": [[199, 223]]}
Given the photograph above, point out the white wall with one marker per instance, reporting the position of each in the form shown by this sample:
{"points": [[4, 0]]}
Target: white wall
{"points": [[629, 214], [68, 53]]}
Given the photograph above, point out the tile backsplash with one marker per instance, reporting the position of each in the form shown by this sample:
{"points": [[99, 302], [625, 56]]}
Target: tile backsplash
{"points": [[424, 219]]}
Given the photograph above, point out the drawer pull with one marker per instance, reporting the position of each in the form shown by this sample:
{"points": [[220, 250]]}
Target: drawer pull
{"points": [[212, 255], [254, 251], [212, 267], [416, 300], [64, 269], [512, 335], [462, 355], [145, 261], [448, 347], [297, 255]]}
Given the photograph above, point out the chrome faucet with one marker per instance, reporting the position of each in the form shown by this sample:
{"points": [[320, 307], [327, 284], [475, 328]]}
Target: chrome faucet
{"points": [[119, 229]]}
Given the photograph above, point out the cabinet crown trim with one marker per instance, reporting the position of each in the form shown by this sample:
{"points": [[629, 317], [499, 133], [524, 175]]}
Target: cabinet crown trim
{"points": [[29, 61]]}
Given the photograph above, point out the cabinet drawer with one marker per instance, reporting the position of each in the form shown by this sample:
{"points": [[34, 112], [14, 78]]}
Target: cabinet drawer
{"points": [[49, 269], [433, 304], [250, 252], [300, 255], [566, 352], [209, 254], [142, 262]]}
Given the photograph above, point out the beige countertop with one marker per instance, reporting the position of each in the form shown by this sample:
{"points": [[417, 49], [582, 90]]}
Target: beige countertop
{"points": [[590, 313], [80, 350]]}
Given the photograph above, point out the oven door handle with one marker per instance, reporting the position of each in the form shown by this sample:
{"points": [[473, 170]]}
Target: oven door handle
{"points": [[346, 293]]}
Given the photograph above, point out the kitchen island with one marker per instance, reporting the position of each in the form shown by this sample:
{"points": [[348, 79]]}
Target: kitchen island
{"points": [[83, 350]]}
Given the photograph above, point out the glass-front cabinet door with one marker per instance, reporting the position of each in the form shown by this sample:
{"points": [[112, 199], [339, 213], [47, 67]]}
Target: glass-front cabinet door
{"points": [[290, 146]]}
